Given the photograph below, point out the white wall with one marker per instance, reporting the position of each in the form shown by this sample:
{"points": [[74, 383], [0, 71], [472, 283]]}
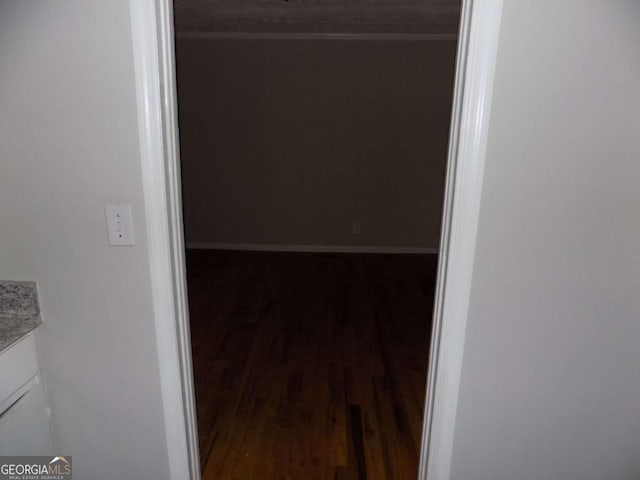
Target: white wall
{"points": [[69, 145], [550, 385]]}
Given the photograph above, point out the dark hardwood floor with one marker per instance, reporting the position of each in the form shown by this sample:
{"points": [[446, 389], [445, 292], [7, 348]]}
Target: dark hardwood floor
{"points": [[310, 366]]}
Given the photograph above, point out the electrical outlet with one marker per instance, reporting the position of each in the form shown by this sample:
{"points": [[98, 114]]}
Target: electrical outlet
{"points": [[355, 228], [119, 225]]}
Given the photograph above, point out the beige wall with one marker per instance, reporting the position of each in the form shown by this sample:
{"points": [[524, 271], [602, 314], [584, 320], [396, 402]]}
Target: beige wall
{"points": [[550, 385], [69, 145], [291, 141]]}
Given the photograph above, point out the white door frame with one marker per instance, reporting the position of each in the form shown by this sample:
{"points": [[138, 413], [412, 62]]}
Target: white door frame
{"points": [[153, 56], [153, 40], [475, 66]]}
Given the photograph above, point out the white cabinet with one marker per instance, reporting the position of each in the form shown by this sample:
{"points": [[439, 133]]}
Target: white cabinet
{"points": [[24, 427], [24, 422], [18, 365]]}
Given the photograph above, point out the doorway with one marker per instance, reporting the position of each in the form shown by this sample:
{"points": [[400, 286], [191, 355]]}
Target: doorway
{"points": [[313, 170]]}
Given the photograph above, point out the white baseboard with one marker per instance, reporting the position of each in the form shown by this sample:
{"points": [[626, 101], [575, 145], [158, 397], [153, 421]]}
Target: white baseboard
{"points": [[450, 37], [310, 248]]}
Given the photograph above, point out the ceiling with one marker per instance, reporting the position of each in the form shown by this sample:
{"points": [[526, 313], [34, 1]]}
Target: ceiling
{"points": [[317, 16]]}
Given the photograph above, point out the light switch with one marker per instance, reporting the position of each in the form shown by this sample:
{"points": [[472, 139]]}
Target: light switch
{"points": [[119, 225]]}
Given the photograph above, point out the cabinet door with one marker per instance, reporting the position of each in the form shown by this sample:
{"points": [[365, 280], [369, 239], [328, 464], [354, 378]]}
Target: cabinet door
{"points": [[18, 364], [24, 427]]}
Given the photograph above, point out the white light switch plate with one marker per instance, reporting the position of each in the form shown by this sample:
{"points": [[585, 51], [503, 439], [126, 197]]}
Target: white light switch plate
{"points": [[119, 225]]}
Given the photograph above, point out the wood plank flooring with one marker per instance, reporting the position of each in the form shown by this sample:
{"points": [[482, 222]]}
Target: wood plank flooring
{"points": [[310, 366]]}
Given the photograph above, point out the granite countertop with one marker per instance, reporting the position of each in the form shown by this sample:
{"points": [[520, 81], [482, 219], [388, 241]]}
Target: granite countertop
{"points": [[19, 311]]}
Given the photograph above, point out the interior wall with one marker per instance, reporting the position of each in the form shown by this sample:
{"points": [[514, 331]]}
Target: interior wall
{"points": [[69, 145], [550, 382], [292, 141], [346, 16]]}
